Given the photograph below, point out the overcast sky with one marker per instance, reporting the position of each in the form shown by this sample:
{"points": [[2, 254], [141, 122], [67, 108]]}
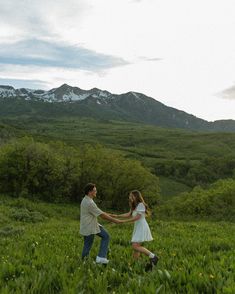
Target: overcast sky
{"points": [[182, 53]]}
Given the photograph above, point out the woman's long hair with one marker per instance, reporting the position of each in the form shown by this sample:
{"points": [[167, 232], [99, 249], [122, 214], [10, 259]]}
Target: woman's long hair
{"points": [[138, 198]]}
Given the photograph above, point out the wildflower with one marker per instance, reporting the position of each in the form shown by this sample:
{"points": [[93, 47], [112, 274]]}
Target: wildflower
{"points": [[211, 276]]}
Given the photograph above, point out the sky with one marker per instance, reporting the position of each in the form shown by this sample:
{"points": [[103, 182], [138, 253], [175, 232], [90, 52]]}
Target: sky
{"points": [[181, 53]]}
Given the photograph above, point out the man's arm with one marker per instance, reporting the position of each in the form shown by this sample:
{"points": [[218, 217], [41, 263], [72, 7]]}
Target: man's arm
{"points": [[133, 219], [124, 215], [106, 216]]}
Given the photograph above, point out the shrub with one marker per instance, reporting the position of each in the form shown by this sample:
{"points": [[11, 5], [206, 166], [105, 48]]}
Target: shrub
{"points": [[24, 215], [217, 202], [9, 231]]}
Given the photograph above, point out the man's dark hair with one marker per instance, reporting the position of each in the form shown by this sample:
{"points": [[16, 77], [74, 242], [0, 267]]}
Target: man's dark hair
{"points": [[88, 188]]}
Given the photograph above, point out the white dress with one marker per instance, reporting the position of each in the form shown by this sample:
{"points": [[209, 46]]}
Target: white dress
{"points": [[141, 230]]}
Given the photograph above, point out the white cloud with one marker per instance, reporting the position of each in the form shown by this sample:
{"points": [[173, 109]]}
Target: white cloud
{"points": [[46, 54], [228, 93], [180, 52], [39, 19]]}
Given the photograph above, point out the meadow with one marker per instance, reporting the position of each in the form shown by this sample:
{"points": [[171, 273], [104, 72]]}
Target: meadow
{"points": [[40, 249], [188, 178]]}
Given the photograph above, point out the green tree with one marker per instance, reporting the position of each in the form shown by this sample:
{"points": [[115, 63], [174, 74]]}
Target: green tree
{"points": [[38, 170], [115, 176]]}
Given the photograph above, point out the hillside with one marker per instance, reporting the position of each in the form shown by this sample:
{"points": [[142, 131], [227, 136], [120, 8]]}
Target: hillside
{"points": [[189, 157], [98, 104], [217, 203]]}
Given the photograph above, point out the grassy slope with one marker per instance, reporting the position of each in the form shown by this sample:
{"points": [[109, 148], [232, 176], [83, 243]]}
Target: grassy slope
{"points": [[170, 188], [140, 139], [44, 256]]}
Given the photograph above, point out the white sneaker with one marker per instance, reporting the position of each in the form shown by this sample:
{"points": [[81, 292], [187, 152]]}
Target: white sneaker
{"points": [[101, 260]]}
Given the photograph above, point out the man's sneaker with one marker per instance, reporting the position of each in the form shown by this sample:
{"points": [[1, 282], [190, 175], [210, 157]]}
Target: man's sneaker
{"points": [[154, 260], [101, 260]]}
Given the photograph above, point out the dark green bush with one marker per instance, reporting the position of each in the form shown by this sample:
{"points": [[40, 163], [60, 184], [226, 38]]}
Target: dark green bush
{"points": [[9, 231], [219, 246], [24, 215]]}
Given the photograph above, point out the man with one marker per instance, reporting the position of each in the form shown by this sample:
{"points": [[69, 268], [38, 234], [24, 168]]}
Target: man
{"points": [[89, 226]]}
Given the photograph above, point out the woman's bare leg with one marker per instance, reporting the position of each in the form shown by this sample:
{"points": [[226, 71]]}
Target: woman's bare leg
{"points": [[139, 249]]}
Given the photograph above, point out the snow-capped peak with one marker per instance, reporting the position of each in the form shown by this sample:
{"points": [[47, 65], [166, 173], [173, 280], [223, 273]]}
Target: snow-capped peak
{"points": [[63, 93]]}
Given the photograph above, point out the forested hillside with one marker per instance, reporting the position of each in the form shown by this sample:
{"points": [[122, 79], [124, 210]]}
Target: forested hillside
{"points": [[192, 158]]}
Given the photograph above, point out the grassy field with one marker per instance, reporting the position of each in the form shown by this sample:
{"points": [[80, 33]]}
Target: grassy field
{"points": [[40, 249], [170, 188]]}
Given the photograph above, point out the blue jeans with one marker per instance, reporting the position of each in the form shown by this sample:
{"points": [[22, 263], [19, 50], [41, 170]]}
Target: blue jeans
{"points": [[88, 241]]}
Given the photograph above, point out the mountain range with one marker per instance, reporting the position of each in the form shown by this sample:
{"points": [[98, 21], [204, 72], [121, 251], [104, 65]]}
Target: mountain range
{"points": [[73, 101]]}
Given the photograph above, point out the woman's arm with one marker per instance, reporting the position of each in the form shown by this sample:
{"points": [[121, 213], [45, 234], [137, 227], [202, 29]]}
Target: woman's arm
{"points": [[133, 219], [124, 215], [107, 216]]}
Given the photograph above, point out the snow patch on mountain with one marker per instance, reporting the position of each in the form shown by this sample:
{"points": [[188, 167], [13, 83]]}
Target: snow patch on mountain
{"points": [[4, 92], [74, 97], [135, 94], [64, 93]]}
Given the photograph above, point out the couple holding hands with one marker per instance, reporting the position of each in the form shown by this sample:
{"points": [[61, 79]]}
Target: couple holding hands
{"points": [[89, 226]]}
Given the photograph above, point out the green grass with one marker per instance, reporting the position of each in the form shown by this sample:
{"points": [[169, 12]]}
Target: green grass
{"points": [[43, 255]]}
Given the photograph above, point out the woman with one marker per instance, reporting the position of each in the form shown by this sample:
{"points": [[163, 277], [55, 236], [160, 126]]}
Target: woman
{"points": [[141, 233]]}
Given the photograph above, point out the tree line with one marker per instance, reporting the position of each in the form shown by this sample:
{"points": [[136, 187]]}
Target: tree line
{"points": [[217, 202], [56, 172], [193, 173]]}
